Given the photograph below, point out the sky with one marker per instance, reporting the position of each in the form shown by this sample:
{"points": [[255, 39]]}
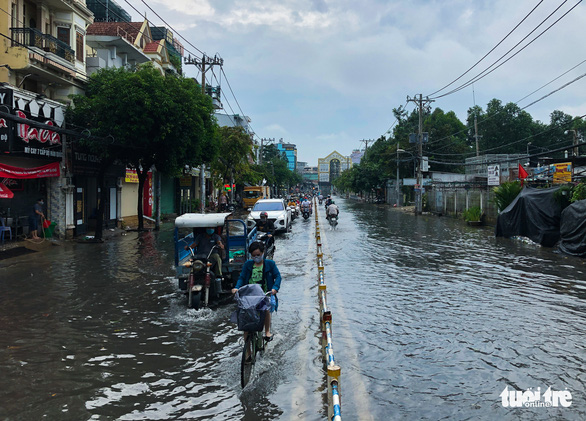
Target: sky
{"points": [[326, 74]]}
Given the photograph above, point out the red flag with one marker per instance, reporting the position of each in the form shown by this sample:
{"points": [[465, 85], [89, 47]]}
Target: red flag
{"points": [[522, 173]]}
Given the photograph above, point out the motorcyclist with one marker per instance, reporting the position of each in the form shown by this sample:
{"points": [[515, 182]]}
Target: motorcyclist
{"points": [[306, 206], [333, 210], [328, 201], [266, 225], [204, 243]]}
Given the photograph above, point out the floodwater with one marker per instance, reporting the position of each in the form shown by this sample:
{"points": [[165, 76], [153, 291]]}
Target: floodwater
{"points": [[431, 320]]}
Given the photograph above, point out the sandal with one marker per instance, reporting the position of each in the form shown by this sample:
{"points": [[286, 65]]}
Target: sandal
{"points": [[268, 338]]}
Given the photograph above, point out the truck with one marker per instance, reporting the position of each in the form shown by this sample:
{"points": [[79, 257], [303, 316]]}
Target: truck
{"points": [[253, 193]]}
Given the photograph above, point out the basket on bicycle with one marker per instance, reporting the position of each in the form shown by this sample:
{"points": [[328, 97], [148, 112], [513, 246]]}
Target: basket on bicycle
{"points": [[252, 304]]}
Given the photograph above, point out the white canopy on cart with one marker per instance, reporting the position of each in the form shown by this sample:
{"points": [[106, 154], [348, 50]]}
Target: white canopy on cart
{"points": [[201, 220]]}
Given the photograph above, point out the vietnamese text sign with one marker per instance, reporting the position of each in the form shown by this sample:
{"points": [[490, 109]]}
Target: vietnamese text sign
{"points": [[494, 175], [562, 173]]}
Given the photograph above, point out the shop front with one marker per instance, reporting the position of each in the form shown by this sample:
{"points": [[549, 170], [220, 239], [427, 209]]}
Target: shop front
{"points": [[30, 159]]}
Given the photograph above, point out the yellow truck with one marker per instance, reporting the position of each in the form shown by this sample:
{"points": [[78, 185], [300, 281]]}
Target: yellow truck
{"points": [[253, 193]]}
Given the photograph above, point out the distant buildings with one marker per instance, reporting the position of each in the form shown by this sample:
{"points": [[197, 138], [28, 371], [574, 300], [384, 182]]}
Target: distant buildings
{"points": [[289, 151], [356, 156], [330, 168]]}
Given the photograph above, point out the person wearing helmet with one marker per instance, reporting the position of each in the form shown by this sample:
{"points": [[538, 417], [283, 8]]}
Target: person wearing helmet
{"points": [[266, 225], [332, 210]]}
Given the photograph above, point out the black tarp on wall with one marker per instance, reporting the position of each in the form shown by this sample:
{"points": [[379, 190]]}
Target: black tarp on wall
{"points": [[573, 229], [534, 214]]}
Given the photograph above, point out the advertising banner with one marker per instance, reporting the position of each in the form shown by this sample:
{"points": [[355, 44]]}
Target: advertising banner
{"points": [[49, 170], [494, 175], [562, 173]]}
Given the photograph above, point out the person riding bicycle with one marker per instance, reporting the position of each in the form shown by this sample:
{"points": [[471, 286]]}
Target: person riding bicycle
{"points": [[333, 210], [264, 272], [204, 243]]}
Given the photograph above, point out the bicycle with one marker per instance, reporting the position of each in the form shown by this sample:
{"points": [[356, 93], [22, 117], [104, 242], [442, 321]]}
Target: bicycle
{"points": [[253, 344]]}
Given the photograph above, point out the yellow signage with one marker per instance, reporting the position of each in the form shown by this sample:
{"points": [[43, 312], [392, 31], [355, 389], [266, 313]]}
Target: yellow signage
{"points": [[562, 173], [185, 181], [131, 176]]}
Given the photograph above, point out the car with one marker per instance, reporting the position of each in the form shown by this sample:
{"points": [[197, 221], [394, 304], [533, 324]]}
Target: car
{"points": [[277, 210]]}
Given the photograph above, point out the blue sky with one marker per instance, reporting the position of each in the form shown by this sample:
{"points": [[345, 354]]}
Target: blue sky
{"points": [[324, 74]]}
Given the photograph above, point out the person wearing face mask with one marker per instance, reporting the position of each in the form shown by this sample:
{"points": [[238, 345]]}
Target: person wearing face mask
{"points": [[265, 225], [263, 272], [204, 243], [35, 218]]}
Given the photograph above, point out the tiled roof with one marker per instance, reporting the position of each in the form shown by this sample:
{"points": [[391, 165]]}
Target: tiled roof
{"points": [[128, 30], [151, 47]]}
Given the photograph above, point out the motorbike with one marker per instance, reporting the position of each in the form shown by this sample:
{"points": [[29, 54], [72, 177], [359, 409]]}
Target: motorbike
{"points": [[333, 220], [200, 280], [269, 243], [305, 214]]}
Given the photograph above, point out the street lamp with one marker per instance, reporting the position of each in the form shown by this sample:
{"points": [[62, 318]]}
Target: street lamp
{"points": [[398, 150], [575, 152]]}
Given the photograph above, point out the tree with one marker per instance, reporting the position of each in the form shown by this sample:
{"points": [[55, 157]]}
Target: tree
{"points": [[235, 155], [152, 119]]}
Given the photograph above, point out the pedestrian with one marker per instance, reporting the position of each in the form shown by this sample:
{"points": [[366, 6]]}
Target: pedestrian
{"points": [[223, 202], [238, 199], [36, 218]]}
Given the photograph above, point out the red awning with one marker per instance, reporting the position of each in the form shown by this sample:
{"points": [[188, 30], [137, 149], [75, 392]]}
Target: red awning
{"points": [[50, 170], [5, 192]]}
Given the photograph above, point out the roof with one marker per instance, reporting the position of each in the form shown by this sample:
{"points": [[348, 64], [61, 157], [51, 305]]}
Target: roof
{"points": [[201, 220], [128, 30], [151, 47]]}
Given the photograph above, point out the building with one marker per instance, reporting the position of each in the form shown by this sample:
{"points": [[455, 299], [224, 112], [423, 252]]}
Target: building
{"points": [[43, 63], [330, 168], [356, 156], [310, 175], [289, 151]]}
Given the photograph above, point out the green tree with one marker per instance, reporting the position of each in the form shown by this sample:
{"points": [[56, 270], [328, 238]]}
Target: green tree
{"points": [[235, 155], [153, 120]]}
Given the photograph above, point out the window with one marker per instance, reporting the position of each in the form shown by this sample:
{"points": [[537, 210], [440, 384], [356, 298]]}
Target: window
{"points": [[63, 35], [14, 15], [79, 48], [268, 206]]}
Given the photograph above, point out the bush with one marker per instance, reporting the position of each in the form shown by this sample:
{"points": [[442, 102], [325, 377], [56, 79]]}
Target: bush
{"points": [[579, 192], [506, 193], [473, 214]]}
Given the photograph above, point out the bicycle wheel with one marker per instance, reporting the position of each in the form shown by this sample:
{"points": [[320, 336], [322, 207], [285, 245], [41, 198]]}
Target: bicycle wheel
{"points": [[247, 363]]}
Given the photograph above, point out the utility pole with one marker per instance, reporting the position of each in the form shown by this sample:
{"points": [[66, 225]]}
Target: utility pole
{"points": [[421, 102], [365, 141], [201, 65], [476, 136]]}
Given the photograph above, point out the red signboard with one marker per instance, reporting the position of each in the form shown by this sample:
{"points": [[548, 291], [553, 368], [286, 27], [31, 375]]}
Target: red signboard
{"points": [[5, 192], [50, 170], [147, 196]]}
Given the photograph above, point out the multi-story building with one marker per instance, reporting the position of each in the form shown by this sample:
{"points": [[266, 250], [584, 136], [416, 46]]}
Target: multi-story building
{"points": [[289, 151], [42, 63], [330, 168]]}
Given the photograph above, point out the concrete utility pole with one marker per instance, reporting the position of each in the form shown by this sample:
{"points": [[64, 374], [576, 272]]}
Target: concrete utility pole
{"points": [[201, 65], [365, 141], [421, 102], [476, 136]]}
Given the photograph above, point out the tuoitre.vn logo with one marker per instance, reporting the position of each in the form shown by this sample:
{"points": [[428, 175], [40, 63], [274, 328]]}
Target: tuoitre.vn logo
{"points": [[532, 398]]}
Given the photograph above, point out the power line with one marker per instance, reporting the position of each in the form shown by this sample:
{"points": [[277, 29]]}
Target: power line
{"points": [[491, 50], [486, 71]]}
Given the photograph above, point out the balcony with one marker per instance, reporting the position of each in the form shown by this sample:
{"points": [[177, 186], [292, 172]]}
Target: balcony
{"points": [[31, 37]]}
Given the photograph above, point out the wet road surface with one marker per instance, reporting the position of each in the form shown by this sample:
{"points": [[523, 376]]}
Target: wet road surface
{"points": [[431, 320]]}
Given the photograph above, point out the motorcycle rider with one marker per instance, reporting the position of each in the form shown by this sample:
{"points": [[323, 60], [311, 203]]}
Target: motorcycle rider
{"points": [[333, 210], [306, 206], [265, 225], [204, 243]]}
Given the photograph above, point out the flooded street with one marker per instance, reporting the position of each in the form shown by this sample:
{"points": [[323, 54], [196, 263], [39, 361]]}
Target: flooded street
{"points": [[432, 319]]}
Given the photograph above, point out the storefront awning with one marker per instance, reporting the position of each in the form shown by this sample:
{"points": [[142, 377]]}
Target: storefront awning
{"points": [[50, 170], [5, 192]]}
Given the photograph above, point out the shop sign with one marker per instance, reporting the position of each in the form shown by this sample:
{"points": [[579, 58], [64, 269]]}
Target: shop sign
{"points": [[185, 181], [5, 192], [131, 176], [36, 141], [50, 170], [6, 128], [494, 175], [562, 173]]}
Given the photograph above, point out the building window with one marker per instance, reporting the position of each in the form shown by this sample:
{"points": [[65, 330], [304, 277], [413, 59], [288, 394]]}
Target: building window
{"points": [[14, 15], [79, 50], [63, 35]]}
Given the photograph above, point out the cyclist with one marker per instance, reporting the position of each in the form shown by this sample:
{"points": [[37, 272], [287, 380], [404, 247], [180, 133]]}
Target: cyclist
{"points": [[264, 272]]}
